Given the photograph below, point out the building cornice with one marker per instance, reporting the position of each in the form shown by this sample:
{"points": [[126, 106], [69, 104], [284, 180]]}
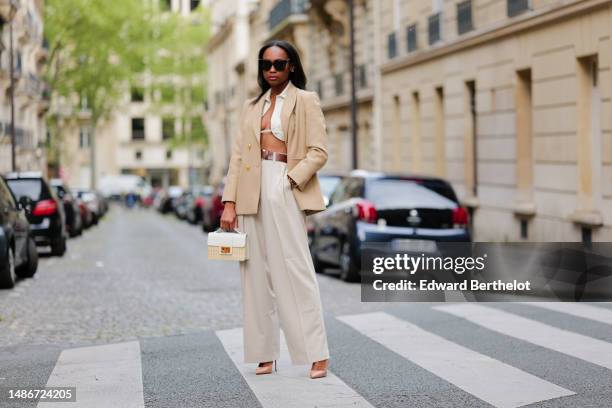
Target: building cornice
{"points": [[517, 25], [344, 101]]}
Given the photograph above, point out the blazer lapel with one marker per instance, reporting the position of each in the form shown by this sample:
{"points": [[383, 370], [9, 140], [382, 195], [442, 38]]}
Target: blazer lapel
{"points": [[288, 105], [256, 118]]}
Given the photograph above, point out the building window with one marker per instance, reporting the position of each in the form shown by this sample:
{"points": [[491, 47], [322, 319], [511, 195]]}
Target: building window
{"points": [[464, 17], [194, 4], [339, 83], [439, 131], [138, 155], [411, 37], [472, 137], [516, 7], [138, 129], [137, 94], [391, 46], [434, 28], [524, 229], [167, 128], [168, 154], [84, 135], [363, 76]]}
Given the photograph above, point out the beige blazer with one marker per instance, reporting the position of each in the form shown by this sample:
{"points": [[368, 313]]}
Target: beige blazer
{"points": [[305, 132]]}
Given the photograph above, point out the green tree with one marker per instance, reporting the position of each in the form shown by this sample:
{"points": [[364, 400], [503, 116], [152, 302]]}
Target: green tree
{"points": [[94, 49], [99, 50], [178, 67]]}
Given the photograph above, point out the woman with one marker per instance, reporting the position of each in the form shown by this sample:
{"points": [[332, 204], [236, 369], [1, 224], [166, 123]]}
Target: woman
{"points": [[271, 186]]}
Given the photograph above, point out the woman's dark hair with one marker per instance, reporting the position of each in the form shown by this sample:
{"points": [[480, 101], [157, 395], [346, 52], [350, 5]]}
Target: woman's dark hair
{"points": [[297, 77]]}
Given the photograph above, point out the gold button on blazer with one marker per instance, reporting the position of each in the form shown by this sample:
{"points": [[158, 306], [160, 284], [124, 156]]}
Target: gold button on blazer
{"points": [[303, 124]]}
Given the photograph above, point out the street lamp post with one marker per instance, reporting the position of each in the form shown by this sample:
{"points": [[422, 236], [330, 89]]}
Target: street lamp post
{"points": [[353, 85], [12, 89]]}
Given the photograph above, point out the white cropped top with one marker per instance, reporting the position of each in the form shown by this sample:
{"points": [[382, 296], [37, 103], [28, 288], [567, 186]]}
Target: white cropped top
{"points": [[275, 121]]}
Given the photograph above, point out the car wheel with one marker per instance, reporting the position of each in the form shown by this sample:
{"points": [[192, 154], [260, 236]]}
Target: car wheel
{"points": [[7, 272], [58, 248], [349, 271], [28, 269]]}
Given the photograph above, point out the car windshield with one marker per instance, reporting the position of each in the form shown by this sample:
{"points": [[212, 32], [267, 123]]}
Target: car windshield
{"points": [[26, 187], [328, 184], [397, 193]]}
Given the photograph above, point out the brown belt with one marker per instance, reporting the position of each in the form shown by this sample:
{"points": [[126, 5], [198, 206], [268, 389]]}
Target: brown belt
{"points": [[270, 155]]}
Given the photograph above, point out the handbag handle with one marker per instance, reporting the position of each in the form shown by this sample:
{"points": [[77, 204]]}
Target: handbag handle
{"points": [[234, 230]]}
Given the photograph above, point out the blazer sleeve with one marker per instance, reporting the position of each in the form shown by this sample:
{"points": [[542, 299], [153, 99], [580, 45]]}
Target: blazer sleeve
{"points": [[316, 140], [231, 183]]}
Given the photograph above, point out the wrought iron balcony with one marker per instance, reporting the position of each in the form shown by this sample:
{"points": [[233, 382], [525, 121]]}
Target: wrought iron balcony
{"points": [[284, 9]]}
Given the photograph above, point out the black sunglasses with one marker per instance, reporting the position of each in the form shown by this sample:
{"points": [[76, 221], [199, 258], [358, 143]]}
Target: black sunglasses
{"points": [[279, 64]]}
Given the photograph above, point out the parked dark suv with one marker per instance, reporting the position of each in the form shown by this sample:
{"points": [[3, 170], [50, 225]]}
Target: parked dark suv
{"points": [[18, 255], [47, 218], [382, 207]]}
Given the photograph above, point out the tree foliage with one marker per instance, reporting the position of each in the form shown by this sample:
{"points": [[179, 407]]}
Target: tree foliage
{"points": [[98, 48], [95, 48]]}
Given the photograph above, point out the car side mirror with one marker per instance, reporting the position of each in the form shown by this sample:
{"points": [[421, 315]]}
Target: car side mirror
{"points": [[25, 203]]}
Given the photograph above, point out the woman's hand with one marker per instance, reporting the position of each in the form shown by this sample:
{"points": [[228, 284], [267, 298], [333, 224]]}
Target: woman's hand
{"points": [[229, 221]]}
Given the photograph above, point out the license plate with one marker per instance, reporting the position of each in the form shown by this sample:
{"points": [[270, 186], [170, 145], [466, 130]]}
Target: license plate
{"points": [[414, 245]]}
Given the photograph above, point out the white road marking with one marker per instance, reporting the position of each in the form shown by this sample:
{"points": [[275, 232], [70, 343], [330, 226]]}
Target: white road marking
{"points": [[573, 344], [290, 386], [598, 314], [104, 376], [493, 381]]}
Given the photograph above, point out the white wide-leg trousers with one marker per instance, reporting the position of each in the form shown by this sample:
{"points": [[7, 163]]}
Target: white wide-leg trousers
{"points": [[279, 284]]}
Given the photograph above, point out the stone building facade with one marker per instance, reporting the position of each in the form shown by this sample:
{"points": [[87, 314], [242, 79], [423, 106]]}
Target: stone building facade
{"points": [[507, 99], [31, 99]]}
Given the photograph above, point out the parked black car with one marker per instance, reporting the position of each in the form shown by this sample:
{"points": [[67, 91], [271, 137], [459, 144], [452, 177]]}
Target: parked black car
{"points": [[379, 207], [74, 222], [47, 218], [18, 254], [328, 182], [197, 203]]}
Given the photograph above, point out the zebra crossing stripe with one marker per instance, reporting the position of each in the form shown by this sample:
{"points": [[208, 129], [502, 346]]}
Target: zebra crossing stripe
{"points": [[493, 381], [598, 314], [290, 386], [573, 344], [104, 376]]}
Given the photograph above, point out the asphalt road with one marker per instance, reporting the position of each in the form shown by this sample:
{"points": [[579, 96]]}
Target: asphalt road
{"points": [[134, 315]]}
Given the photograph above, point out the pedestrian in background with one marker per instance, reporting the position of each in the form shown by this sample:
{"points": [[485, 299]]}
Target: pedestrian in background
{"points": [[272, 185]]}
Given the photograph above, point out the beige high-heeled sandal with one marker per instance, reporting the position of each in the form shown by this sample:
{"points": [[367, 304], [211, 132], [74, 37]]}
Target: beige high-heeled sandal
{"points": [[265, 369], [319, 372]]}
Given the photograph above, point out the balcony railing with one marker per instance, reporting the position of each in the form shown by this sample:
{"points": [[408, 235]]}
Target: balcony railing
{"points": [[284, 9]]}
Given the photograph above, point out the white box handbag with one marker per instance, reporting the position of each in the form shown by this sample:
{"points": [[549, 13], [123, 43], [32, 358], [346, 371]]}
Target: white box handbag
{"points": [[227, 245]]}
